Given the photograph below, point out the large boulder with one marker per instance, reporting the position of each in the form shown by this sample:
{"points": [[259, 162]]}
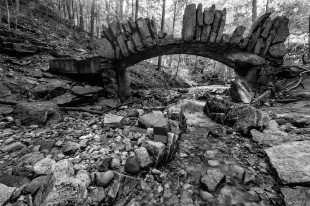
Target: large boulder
{"points": [[238, 116], [152, 120], [62, 187], [37, 113]]}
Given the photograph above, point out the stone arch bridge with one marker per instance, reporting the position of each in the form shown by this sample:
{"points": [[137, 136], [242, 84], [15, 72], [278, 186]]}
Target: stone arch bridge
{"points": [[126, 43]]}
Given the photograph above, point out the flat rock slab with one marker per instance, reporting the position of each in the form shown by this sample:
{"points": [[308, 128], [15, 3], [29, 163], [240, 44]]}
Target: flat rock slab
{"points": [[296, 197], [291, 160], [274, 136], [79, 90]]}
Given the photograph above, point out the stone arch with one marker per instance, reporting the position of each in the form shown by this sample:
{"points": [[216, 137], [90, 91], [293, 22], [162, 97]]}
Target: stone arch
{"points": [[126, 43]]}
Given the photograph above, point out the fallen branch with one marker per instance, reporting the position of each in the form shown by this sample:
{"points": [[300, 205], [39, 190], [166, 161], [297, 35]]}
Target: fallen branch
{"points": [[299, 81], [81, 109], [155, 108], [286, 100]]}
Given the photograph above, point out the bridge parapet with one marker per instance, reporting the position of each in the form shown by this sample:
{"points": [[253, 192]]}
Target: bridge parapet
{"points": [[265, 39]]}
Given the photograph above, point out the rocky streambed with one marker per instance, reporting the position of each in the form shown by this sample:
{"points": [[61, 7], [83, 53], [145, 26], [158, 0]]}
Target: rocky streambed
{"points": [[175, 155]]}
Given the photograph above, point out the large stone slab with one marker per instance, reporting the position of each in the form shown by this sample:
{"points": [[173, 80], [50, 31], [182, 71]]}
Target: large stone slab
{"points": [[291, 160], [272, 135], [208, 15], [282, 31], [189, 23]]}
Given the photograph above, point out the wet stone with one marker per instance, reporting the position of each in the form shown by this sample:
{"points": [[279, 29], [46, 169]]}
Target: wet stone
{"points": [[144, 158], [132, 165], [212, 179], [43, 166], [104, 178], [70, 147], [35, 185]]}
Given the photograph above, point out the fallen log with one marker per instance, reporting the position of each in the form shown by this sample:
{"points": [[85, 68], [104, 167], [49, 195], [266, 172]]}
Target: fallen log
{"points": [[286, 100]]}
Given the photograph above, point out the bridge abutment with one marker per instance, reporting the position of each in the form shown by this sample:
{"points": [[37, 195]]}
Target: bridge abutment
{"points": [[123, 81]]}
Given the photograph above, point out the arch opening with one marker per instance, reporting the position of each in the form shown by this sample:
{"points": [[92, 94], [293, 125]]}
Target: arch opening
{"points": [[240, 60]]}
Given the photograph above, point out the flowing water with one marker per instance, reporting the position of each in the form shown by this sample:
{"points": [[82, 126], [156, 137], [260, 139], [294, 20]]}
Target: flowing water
{"points": [[242, 171]]}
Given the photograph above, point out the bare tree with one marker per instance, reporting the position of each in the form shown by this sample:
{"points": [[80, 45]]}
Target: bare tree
{"points": [[69, 5], [92, 20], [267, 6], [121, 9], [162, 28], [8, 13], [107, 6], [137, 10], [173, 25], [59, 8], [64, 9], [81, 15], [73, 20], [98, 20], [254, 10], [132, 9], [17, 6]]}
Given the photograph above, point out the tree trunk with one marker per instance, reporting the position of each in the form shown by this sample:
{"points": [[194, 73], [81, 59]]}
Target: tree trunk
{"points": [[117, 8], [107, 6], [92, 20], [77, 6], [8, 13], [132, 9], [64, 8], [17, 6], [98, 21], [73, 20], [121, 10], [173, 26], [59, 8], [69, 10], [267, 6], [254, 10], [137, 10], [176, 73], [309, 39], [162, 28], [81, 16]]}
